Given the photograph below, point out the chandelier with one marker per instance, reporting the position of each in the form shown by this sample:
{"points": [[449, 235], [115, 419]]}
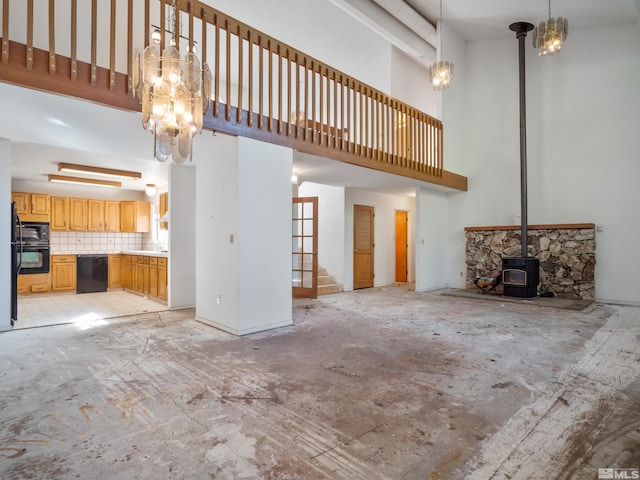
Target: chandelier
{"points": [[441, 72], [174, 92], [548, 38]]}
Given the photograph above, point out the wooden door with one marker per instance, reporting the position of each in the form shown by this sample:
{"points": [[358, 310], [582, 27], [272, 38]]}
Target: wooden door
{"points": [[305, 247], [128, 216], [363, 245], [402, 246], [163, 287], [59, 213], [22, 202], [153, 277]]}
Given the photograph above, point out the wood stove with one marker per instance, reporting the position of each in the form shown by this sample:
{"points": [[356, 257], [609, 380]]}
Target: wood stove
{"points": [[520, 276]]}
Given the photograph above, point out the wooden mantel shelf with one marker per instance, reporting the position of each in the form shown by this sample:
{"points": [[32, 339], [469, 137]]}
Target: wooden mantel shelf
{"points": [[551, 226]]}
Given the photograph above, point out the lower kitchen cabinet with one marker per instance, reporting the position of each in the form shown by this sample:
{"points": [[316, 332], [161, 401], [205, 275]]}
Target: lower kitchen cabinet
{"points": [[33, 283], [63, 273], [116, 271], [146, 275]]}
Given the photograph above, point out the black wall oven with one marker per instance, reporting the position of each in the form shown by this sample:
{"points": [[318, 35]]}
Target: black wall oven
{"points": [[33, 249]]}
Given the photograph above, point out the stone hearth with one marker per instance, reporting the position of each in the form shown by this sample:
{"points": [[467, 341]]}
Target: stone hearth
{"points": [[567, 255]]}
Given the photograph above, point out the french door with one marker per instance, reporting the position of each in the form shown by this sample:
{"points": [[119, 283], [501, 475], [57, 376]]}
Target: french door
{"points": [[305, 247]]}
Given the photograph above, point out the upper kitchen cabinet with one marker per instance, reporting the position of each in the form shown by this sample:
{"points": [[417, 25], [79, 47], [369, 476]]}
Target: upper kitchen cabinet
{"points": [[111, 216], [78, 214], [59, 214], [164, 206], [95, 215], [32, 207], [135, 216]]}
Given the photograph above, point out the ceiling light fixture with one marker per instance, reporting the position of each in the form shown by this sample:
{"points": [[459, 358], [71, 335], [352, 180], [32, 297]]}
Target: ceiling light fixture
{"points": [[84, 181], [548, 38], [107, 172], [441, 72], [174, 93], [150, 190]]}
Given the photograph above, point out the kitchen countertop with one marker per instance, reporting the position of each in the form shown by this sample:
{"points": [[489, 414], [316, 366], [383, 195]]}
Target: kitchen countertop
{"points": [[148, 253]]}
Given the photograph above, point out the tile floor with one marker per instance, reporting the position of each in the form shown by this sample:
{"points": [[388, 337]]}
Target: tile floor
{"points": [[60, 309]]}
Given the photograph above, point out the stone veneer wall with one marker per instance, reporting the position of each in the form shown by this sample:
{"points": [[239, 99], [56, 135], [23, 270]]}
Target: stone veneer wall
{"points": [[567, 255]]}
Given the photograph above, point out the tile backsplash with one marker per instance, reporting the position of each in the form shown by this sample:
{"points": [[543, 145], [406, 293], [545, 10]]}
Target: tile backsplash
{"points": [[90, 242]]}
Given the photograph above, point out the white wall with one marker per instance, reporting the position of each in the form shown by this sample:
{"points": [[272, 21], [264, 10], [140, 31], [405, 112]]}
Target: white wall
{"points": [[264, 236], [322, 30], [182, 243], [243, 272], [409, 82], [583, 143], [330, 226], [385, 207], [431, 239], [216, 234], [5, 235], [80, 191]]}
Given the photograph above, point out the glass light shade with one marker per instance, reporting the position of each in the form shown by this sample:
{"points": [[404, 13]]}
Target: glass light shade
{"points": [[441, 74], [547, 39], [174, 94], [150, 190]]}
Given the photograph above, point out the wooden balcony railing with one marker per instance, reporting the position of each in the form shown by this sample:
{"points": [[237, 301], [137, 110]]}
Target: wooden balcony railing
{"points": [[262, 88]]}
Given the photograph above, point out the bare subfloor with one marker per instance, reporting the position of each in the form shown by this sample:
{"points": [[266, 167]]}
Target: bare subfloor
{"points": [[375, 384]]}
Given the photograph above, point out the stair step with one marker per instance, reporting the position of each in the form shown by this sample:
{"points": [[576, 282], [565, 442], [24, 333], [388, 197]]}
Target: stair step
{"points": [[331, 288], [326, 279], [322, 272]]}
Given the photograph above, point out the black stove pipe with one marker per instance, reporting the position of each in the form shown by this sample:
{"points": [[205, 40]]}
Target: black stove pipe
{"points": [[521, 29]]}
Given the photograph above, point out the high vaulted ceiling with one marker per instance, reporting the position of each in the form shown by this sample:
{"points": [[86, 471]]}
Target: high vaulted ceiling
{"points": [[100, 136]]}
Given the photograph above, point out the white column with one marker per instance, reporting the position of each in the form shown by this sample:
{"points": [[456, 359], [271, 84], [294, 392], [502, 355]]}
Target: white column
{"points": [[431, 239], [5, 234], [243, 235], [182, 242]]}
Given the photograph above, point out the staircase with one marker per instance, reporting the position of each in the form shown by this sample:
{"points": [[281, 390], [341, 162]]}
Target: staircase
{"points": [[327, 283]]}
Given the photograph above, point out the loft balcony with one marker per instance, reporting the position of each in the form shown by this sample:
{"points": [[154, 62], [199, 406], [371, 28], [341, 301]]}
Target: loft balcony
{"points": [[261, 87]]}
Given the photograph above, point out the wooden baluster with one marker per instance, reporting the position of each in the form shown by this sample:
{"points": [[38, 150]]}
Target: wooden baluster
{"points": [[321, 105], [29, 63], [240, 76], [163, 22], [306, 100], [227, 110], [129, 46], [112, 47], [349, 129], [250, 67], [147, 22], [298, 110], [216, 77], [260, 82], [335, 111], [288, 130], [342, 129], [313, 102], [279, 92], [94, 34], [205, 23], [52, 38], [270, 87], [5, 32]]}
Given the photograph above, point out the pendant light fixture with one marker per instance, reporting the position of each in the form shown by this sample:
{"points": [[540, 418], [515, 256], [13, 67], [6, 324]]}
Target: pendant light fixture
{"points": [[548, 38], [174, 92], [441, 72]]}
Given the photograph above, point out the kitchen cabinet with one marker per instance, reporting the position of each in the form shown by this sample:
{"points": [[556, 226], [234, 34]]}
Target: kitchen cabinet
{"points": [[33, 283], [111, 216], [59, 214], [162, 279], [95, 215], [78, 214], [32, 207], [128, 277], [116, 271], [153, 276], [146, 275], [164, 207], [135, 216], [63, 273]]}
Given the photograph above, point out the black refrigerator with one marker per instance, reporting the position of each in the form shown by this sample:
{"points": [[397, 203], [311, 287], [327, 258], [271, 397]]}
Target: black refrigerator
{"points": [[16, 246]]}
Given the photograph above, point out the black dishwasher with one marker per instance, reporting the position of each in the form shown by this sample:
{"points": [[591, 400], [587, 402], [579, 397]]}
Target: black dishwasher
{"points": [[92, 273]]}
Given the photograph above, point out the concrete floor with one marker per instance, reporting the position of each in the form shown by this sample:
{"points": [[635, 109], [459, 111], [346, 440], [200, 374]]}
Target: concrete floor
{"points": [[374, 384]]}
